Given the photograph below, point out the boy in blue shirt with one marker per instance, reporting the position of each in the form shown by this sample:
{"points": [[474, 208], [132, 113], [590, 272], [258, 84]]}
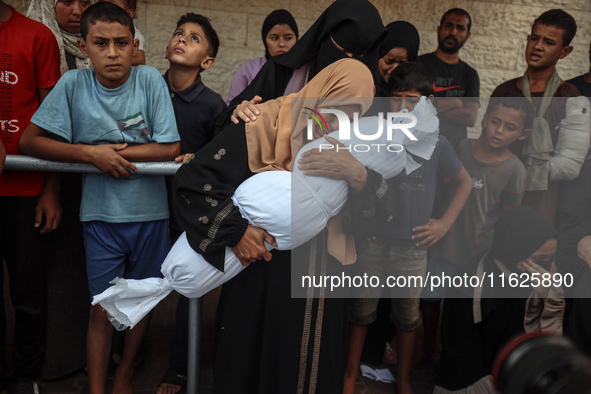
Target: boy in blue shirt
{"points": [[109, 116]]}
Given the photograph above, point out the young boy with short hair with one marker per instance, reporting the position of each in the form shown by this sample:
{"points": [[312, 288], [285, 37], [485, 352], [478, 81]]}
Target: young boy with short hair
{"points": [[399, 247], [560, 138], [191, 50], [497, 175], [109, 116], [130, 7], [498, 178]]}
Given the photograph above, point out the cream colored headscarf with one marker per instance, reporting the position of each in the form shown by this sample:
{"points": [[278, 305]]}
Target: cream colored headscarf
{"points": [[276, 137], [44, 11]]}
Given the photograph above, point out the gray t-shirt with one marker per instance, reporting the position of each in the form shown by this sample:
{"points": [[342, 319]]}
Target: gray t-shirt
{"points": [[496, 187]]}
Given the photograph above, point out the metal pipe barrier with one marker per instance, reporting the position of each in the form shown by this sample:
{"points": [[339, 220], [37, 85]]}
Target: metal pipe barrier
{"points": [[27, 163]]}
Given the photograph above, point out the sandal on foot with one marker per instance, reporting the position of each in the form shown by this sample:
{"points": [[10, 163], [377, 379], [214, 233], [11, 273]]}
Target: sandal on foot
{"points": [[390, 356], [176, 377]]}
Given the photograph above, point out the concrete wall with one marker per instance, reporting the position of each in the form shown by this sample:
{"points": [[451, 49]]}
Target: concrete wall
{"points": [[495, 49]]}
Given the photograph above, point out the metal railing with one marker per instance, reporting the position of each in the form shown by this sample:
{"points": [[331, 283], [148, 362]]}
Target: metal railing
{"points": [[27, 163]]}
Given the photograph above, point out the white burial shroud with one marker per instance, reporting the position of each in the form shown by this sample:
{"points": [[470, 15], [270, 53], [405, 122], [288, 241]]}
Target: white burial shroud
{"points": [[294, 210]]}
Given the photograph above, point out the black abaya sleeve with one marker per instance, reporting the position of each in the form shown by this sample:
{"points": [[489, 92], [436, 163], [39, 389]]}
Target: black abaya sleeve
{"points": [[366, 206], [567, 257], [202, 191]]}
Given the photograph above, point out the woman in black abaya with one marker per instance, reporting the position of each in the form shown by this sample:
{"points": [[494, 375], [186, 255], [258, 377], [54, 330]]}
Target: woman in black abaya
{"points": [[479, 321], [347, 28], [267, 341]]}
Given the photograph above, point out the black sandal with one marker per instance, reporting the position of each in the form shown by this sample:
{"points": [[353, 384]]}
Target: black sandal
{"points": [[176, 377]]}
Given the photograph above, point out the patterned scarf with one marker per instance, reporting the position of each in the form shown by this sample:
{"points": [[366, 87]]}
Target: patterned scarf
{"points": [[44, 11]]}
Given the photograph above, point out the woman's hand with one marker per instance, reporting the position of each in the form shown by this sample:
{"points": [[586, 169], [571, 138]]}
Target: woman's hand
{"points": [[247, 110], [334, 163], [252, 245], [533, 268], [184, 158]]}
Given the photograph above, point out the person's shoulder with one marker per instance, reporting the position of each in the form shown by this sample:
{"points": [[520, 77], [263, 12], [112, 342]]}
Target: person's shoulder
{"points": [[426, 57], [212, 97], [77, 76], [444, 143], [147, 75], [515, 170], [253, 63], [509, 86], [576, 80], [147, 71], [30, 26], [567, 89], [468, 68], [444, 149]]}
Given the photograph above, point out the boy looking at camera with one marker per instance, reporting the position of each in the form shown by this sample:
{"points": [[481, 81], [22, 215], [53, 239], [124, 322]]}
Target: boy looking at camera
{"points": [[399, 247], [109, 116]]}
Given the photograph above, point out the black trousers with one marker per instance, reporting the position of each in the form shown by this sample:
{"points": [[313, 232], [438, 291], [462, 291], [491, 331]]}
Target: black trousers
{"points": [[21, 247]]}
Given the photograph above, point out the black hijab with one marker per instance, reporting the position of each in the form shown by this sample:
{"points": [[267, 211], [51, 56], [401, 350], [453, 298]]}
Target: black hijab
{"points": [[354, 24], [275, 18], [400, 34]]}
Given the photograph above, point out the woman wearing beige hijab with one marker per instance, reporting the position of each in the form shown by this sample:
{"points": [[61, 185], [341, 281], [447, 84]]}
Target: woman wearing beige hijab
{"points": [[269, 342]]}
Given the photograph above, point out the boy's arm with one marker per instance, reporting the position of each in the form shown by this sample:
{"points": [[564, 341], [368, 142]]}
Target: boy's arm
{"points": [[37, 142], [458, 111], [153, 151], [436, 229], [49, 203]]}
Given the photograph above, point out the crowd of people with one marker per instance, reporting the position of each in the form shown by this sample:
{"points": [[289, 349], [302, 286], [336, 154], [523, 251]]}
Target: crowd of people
{"points": [[514, 201]]}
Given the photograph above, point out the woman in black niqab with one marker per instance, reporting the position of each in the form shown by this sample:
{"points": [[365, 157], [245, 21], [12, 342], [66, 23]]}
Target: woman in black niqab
{"points": [[354, 25]]}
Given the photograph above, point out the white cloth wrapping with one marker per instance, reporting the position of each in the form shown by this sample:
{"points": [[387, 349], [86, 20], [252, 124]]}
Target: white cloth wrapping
{"points": [[573, 140], [294, 210]]}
